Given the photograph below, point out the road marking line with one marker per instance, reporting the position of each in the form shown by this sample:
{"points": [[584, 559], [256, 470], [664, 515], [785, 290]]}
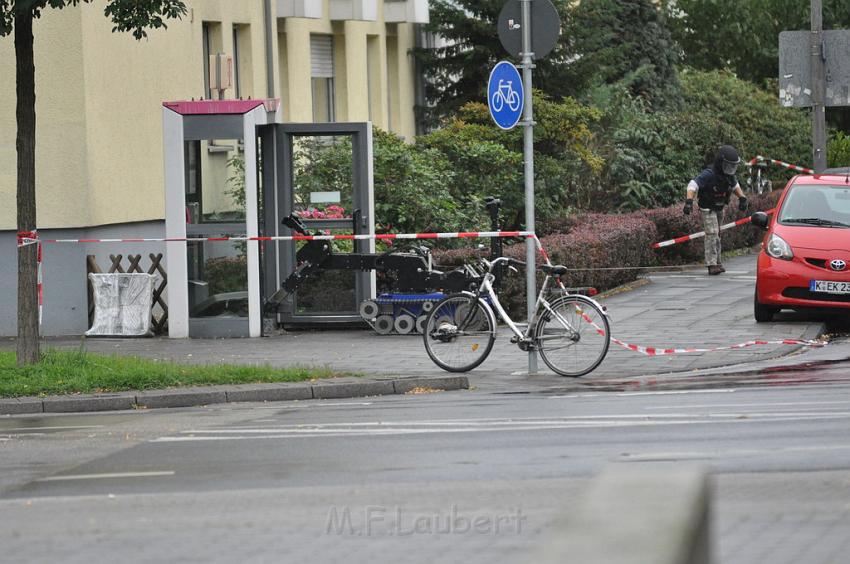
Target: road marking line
{"points": [[351, 426], [727, 453], [65, 428], [679, 392], [590, 424], [766, 404], [106, 476], [395, 432], [303, 403]]}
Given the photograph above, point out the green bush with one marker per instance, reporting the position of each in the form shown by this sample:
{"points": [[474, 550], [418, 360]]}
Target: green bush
{"points": [[415, 188], [650, 156], [620, 156], [487, 161], [762, 125], [838, 151], [226, 274]]}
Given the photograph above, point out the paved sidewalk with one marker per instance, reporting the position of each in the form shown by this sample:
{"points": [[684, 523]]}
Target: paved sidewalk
{"points": [[674, 310]]}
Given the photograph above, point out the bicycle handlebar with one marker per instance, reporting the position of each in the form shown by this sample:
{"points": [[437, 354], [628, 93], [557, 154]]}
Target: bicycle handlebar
{"points": [[508, 260]]}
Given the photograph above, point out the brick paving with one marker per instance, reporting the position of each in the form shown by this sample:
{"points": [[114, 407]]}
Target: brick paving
{"points": [[674, 310]]}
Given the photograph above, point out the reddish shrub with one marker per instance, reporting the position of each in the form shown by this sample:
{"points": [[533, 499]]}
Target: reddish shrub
{"points": [[597, 242], [594, 243], [672, 223]]}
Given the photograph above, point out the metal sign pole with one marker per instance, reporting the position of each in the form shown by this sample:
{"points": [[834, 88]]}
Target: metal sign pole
{"points": [[818, 86], [528, 152]]}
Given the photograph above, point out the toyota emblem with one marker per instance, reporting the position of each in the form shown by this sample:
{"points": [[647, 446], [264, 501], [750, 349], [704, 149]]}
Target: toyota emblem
{"points": [[837, 264]]}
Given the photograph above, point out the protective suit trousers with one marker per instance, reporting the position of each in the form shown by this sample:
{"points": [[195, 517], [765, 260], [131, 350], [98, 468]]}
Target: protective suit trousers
{"points": [[711, 226]]}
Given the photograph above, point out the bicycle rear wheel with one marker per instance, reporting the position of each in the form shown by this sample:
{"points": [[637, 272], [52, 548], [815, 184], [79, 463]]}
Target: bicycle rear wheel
{"points": [[459, 332], [573, 338]]}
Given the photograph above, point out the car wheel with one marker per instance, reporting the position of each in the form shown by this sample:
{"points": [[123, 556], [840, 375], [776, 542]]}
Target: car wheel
{"points": [[763, 313]]}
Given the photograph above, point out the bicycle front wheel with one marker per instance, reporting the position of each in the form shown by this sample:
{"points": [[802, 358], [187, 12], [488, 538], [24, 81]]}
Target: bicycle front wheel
{"points": [[459, 332], [573, 338]]}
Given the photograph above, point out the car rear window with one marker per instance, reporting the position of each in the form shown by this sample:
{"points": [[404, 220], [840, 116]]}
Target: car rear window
{"points": [[810, 201]]}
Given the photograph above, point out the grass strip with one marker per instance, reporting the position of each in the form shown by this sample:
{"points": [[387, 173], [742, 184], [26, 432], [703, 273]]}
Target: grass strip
{"points": [[78, 371]]}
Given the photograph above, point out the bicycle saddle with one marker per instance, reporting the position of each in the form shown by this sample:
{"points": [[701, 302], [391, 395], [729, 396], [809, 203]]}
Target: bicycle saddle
{"points": [[554, 270]]}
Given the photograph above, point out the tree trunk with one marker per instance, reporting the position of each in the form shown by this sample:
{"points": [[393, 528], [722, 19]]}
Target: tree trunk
{"points": [[28, 339]]}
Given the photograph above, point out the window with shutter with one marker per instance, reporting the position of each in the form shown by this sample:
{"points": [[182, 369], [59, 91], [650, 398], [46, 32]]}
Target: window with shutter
{"points": [[322, 77]]}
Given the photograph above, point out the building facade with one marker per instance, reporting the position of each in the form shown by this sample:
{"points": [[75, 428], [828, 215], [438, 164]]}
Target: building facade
{"points": [[99, 94]]}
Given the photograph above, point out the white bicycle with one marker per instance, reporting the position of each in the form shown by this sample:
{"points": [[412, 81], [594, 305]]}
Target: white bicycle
{"points": [[571, 332], [757, 180], [505, 93]]}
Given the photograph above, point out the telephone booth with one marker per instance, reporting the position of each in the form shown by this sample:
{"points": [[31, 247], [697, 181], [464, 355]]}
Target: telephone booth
{"points": [[232, 169]]}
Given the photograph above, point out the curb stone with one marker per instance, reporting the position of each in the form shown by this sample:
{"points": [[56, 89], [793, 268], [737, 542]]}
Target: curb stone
{"points": [[184, 397], [353, 389], [189, 397], [15, 406], [98, 402], [268, 392]]}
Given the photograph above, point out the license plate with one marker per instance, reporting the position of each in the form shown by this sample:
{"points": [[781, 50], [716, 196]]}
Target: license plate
{"points": [[829, 287]]}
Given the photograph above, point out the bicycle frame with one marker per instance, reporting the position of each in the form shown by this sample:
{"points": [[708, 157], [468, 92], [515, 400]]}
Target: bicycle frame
{"points": [[541, 305]]}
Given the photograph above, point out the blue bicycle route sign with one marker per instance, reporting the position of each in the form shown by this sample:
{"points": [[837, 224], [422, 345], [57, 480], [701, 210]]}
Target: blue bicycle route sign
{"points": [[505, 95]]}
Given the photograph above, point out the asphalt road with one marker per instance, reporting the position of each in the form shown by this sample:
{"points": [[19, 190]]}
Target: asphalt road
{"points": [[348, 481]]}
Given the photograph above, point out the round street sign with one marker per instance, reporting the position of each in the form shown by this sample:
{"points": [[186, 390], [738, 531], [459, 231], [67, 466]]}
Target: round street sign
{"points": [[505, 95], [545, 27]]}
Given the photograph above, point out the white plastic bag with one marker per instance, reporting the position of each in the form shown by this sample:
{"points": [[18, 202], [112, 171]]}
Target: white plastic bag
{"points": [[122, 304]]}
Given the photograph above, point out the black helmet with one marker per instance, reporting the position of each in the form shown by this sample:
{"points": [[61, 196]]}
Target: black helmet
{"points": [[727, 160]]}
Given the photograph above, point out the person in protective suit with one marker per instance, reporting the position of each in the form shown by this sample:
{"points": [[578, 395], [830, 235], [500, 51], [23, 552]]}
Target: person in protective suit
{"points": [[713, 188]]}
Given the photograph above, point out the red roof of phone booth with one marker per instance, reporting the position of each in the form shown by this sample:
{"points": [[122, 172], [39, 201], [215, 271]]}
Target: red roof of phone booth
{"points": [[212, 107]]}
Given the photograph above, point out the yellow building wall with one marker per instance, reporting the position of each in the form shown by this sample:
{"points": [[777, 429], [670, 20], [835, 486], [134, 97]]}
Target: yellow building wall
{"points": [[62, 175], [360, 57], [126, 84], [99, 99]]}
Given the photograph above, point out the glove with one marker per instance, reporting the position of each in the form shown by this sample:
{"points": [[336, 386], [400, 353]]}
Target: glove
{"points": [[689, 206], [742, 203]]}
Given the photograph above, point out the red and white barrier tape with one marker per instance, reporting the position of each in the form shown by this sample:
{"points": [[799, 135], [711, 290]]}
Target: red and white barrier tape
{"points": [[698, 234], [761, 159], [658, 351], [751, 162], [379, 237], [31, 238]]}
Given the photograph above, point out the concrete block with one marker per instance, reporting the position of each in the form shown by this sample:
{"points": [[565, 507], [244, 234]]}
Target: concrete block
{"points": [[353, 389], [404, 385], [181, 398], [269, 392], [89, 402], [14, 406], [636, 513]]}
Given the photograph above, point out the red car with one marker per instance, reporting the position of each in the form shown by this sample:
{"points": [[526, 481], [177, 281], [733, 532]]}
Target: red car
{"points": [[805, 258]]}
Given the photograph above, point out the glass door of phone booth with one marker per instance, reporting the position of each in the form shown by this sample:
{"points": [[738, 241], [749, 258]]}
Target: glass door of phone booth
{"points": [[321, 173]]}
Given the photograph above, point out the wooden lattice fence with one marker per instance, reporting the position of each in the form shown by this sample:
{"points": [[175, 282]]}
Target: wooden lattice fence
{"points": [[159, 319]]}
